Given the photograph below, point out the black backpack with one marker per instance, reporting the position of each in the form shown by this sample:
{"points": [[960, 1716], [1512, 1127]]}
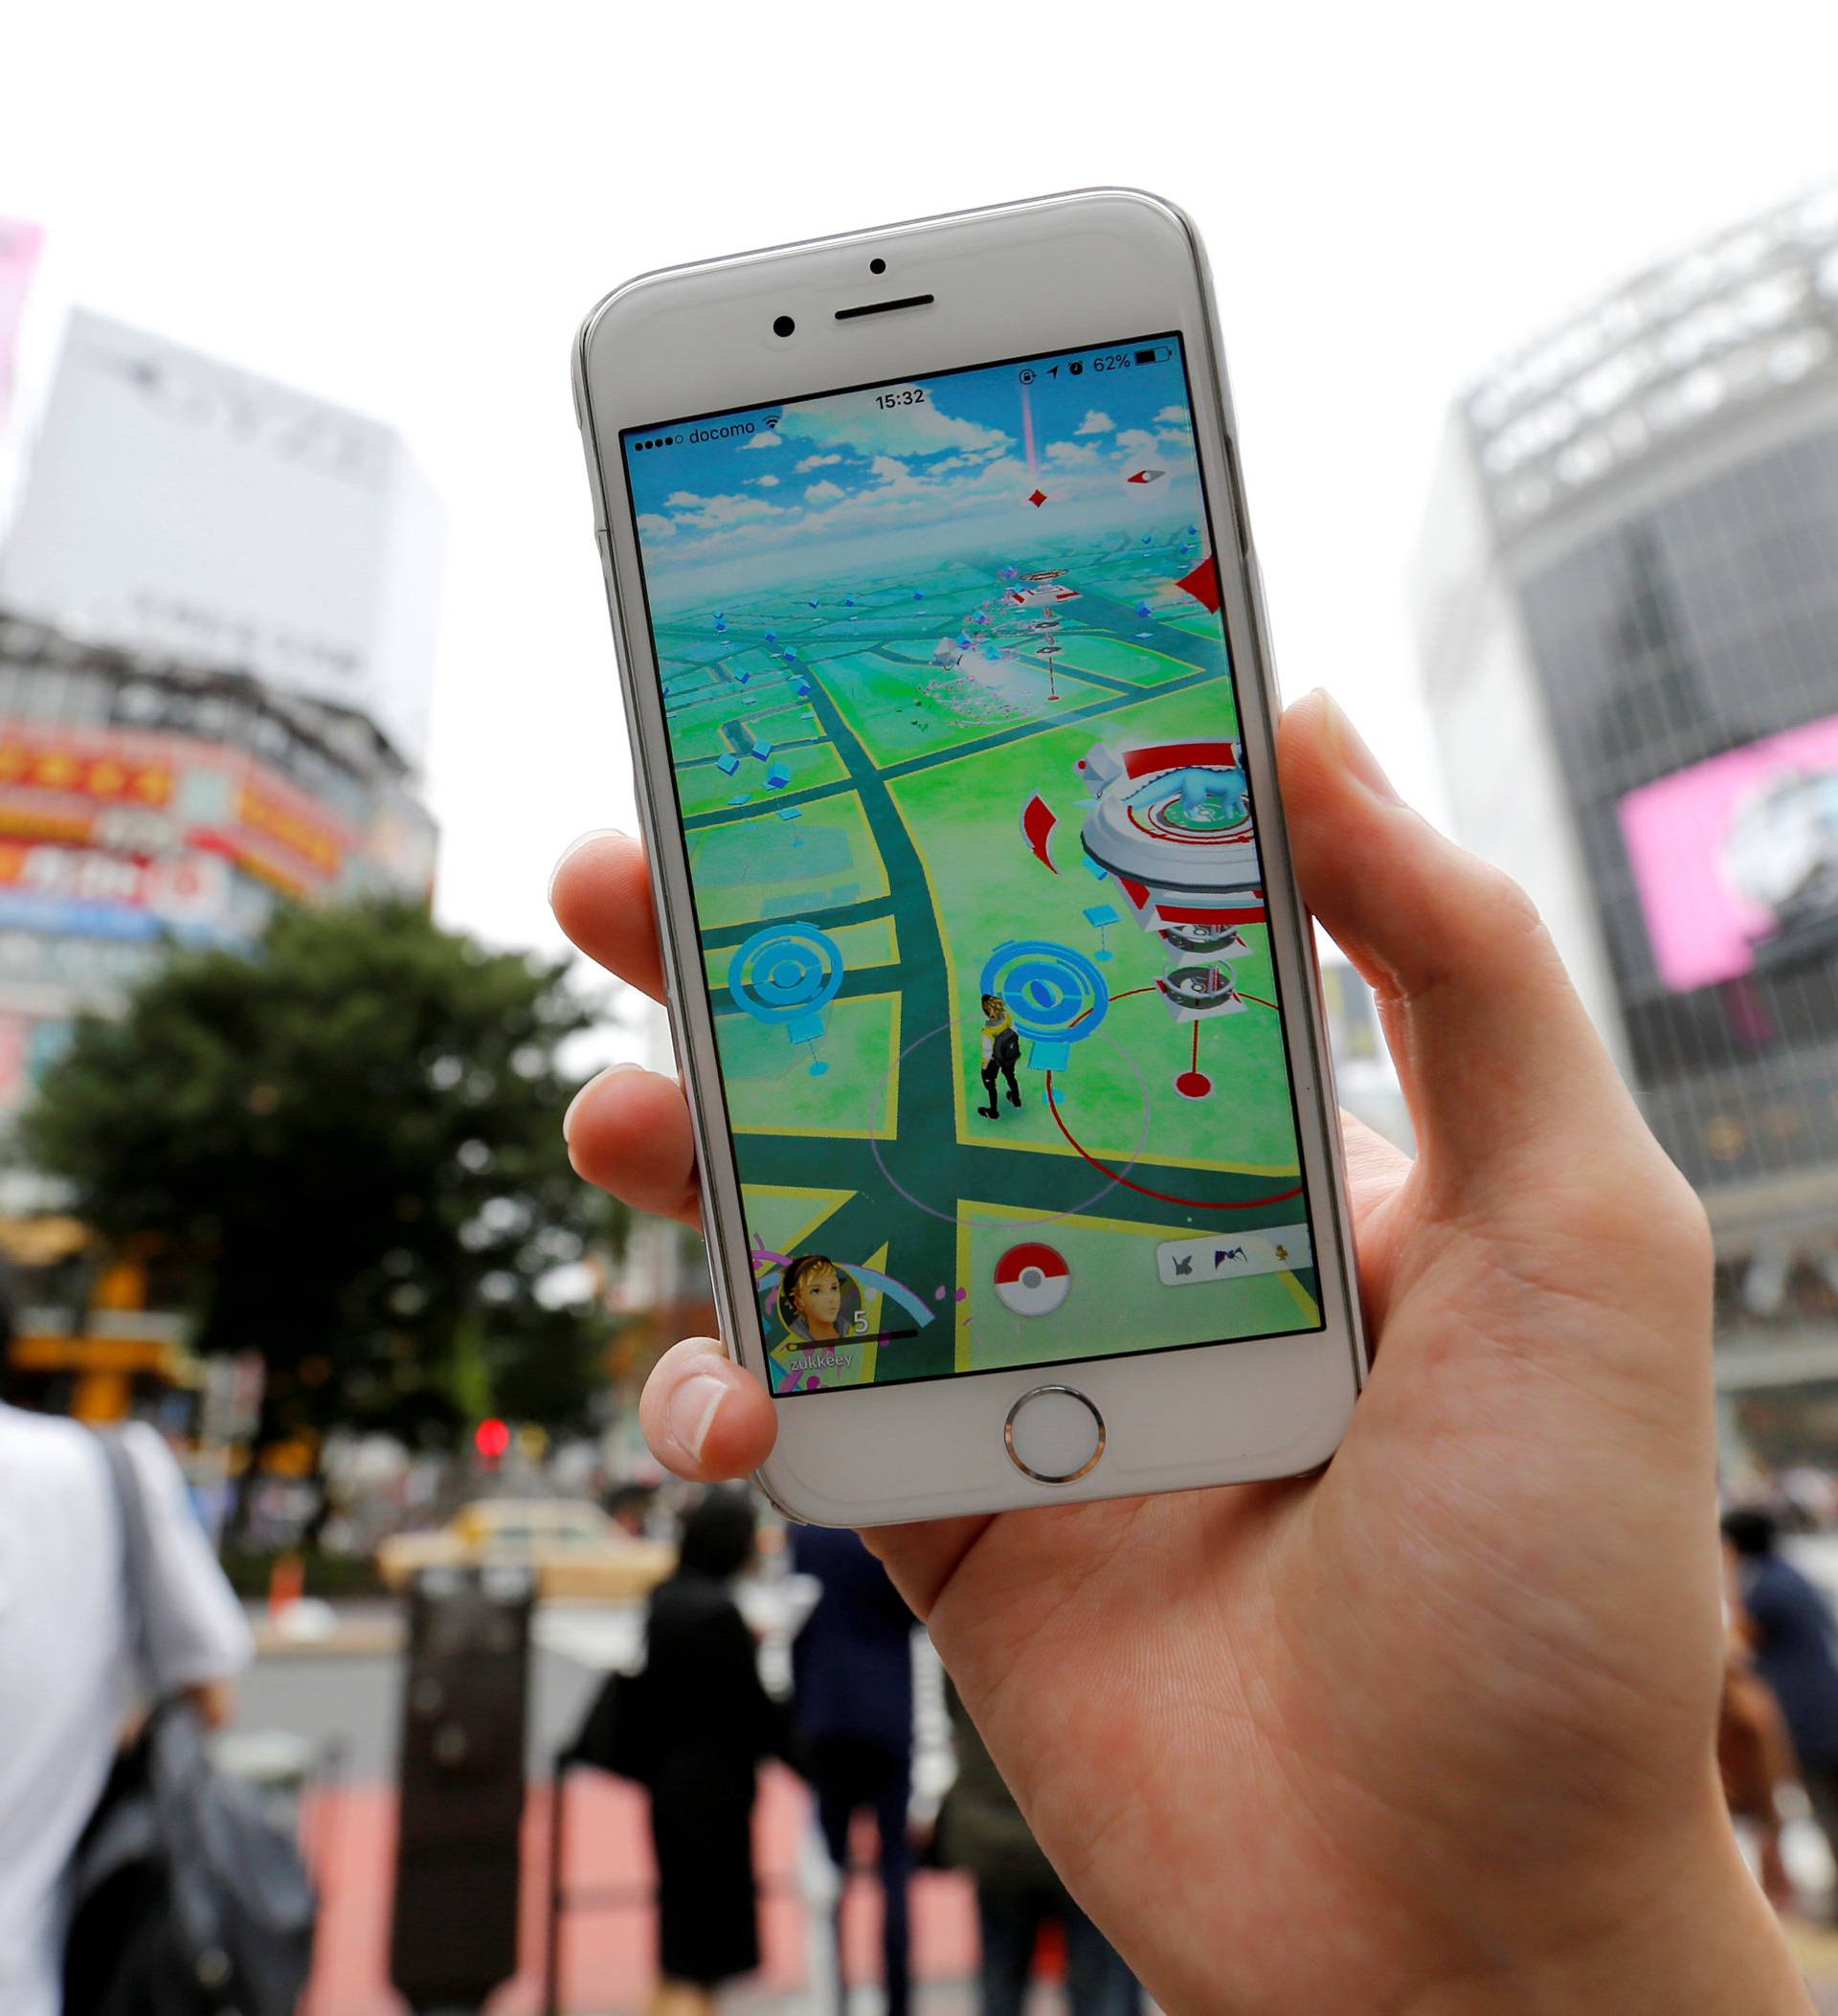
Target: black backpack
{"points": [[615, 1732], [185, 1899]]}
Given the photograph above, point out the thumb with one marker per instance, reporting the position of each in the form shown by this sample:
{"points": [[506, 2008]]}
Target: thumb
{"points": [[1502, 1069]]}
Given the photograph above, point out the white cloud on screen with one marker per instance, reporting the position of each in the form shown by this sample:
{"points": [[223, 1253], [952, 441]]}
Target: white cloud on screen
{"points": [[768, 481], [925, 500], [705, 514], [765, 438], [1176, 417], [816, 462], [651, 525], [896, 430], [1095, 423]]}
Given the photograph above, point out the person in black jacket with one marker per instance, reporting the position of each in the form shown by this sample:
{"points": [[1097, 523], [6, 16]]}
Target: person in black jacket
{"points": [[852, 1708], [706, 1723], [1788, 1627]]}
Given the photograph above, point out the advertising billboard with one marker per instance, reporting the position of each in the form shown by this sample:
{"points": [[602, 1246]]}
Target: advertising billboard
{"points": [[19, 243], [1736, 859], [175, 503], [148, 795], [87, 892]]}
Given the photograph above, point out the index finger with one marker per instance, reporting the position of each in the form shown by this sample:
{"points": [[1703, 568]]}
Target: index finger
{"points": [[601, 895]]}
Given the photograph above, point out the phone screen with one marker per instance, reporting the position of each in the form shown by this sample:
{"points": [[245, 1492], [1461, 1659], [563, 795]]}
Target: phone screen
{"points": [[955, 736]]}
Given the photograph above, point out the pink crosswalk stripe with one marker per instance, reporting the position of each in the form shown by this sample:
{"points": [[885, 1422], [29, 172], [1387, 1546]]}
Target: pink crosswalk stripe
{"points": [[607, 1955]]}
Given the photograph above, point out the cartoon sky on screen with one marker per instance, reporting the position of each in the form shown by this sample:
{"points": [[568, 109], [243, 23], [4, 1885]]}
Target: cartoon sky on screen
{"points": [[976, 871]]}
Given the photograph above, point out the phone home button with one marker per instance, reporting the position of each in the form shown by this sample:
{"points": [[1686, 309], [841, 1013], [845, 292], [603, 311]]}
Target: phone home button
{"points": [[1054, 1435]]}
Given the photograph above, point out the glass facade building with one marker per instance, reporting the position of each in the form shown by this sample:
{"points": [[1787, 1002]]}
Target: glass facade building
{"points": [[1627, 601]]}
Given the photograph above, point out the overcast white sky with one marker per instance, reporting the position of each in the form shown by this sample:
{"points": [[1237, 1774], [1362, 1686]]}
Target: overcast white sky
{"points": [[408, 208]]}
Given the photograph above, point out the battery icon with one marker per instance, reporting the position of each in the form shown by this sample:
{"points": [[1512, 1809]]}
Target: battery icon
{"points": [[1147, 356]]}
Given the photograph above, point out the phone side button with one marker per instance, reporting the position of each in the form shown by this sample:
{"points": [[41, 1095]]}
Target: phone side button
{"points": [[1054, 1435], [1236, 480]]}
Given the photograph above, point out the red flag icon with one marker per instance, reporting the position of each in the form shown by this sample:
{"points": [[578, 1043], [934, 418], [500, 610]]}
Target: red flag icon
{"points": [[1202, 584], [1038, 821]]}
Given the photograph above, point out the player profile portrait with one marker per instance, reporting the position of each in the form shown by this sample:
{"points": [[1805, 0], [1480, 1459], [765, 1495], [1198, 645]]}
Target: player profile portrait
{"points": [[819, 1301]]}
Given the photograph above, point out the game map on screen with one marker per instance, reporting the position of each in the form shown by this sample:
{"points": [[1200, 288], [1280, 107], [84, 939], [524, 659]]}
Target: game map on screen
{"points": [[956, 746]]}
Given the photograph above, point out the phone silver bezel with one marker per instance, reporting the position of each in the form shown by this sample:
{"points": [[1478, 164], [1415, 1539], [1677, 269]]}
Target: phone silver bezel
{"points": [[1030, 278]]}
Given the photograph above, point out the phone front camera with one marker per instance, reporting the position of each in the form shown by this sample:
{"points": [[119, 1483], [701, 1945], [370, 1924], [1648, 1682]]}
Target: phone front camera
{"points": [[784, 326], [877, 265]]}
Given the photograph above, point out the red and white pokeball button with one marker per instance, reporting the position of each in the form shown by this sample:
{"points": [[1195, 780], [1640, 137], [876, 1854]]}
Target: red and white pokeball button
{"points": [[1032, 1278]]}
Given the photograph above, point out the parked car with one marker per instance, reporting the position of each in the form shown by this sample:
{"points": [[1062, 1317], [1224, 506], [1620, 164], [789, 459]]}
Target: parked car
{"points": [[573, 1550]]}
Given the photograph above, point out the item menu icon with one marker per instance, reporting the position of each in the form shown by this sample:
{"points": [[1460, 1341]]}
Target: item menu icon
{"points": [[1233, 1255]]}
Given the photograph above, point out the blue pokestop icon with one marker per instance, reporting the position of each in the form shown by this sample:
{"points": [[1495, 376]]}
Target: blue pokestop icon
{"points": [[785, 976], [1055, 995]]}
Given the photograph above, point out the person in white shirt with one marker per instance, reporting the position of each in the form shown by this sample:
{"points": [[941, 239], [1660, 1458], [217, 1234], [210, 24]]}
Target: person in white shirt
{"points": [[67, 1659]]}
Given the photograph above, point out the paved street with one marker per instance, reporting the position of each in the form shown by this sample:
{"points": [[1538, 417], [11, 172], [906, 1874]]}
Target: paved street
{"points": [[348, 1705], [352, 1705]]}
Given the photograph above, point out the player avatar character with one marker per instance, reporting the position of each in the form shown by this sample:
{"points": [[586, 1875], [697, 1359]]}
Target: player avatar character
{"points": [[810, 1299], [1002, 1053]]}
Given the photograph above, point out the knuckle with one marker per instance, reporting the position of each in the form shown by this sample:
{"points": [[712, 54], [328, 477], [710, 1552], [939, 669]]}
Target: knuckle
{"points": [[1687, 1222], [1640, 1205], [1505, 903]]}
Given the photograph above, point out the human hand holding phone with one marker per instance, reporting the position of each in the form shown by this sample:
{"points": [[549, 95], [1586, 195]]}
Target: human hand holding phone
{"points": [[1430, 1730]]}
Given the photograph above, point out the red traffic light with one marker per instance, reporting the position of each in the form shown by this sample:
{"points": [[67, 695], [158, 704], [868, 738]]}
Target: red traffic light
{"points": [[491, 1439]]}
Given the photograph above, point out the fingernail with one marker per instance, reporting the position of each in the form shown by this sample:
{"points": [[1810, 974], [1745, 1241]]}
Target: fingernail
{"points": [[598, 1077], [1356, 755], [573, 847], [694, 1407]]}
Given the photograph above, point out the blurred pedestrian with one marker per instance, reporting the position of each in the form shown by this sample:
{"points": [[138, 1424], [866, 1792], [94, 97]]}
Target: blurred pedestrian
{"points": [[67, 1676], [1755, 1758], [1789, 1629], [705, 1723], [981, 1831], [629, 1508], [852, 1708]]}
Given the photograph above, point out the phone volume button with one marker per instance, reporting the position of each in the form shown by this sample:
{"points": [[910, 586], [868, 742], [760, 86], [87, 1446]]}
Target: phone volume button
{"points": [[674, 1024], [1235, 480]]}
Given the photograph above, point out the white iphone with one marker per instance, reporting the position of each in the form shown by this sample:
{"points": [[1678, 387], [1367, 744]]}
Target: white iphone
{"points": [[996, 1009]]}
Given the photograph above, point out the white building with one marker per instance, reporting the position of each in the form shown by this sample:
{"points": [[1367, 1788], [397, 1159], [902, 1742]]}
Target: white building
{"points": [[175, 504]]}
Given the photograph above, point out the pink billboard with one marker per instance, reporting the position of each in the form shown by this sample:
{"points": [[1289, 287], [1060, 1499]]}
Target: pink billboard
{"points": [[1737, 858], [19, 244]]}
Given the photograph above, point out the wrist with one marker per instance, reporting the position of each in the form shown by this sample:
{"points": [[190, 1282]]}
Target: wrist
{"points": [[1704, 1942]]}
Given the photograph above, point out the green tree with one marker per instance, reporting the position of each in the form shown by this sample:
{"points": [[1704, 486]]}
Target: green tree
{"points": [[350, 1144]]}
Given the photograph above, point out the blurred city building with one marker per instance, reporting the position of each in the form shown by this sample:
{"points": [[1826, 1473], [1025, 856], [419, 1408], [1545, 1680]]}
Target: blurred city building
{"points": [[1626, 603], [218, 615], [1365, 1079], [176, 505]]}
